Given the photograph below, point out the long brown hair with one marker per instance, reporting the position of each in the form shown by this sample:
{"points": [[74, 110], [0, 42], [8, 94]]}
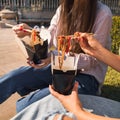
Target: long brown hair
{"points": [[77, 15]]}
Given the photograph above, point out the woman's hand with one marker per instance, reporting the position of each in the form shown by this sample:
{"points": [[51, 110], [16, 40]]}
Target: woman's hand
{"points": [[89, 44], [20, 30], [70, 102], [43, 63]]}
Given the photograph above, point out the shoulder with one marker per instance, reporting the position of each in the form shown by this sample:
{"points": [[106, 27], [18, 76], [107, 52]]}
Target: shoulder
{"points": [[58, 9], [103, 10]]}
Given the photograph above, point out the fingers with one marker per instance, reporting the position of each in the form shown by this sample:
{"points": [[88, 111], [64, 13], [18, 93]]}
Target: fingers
{"points": [[18, 27], [30, 63], [55, 94], [37, 66], [81, 42], [86, 36], [75, 88], [60, 96], [85, 41], [46, 61], [20, 30], [52, 91]]}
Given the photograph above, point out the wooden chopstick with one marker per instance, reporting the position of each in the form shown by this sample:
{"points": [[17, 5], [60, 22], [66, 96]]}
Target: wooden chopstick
{"points": [[72, 36], [25, 30], [9, 25]]}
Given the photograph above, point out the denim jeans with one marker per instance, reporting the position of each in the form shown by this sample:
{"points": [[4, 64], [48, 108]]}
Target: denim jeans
{"points": [[44, 109], [87, 85], [24, 80]]}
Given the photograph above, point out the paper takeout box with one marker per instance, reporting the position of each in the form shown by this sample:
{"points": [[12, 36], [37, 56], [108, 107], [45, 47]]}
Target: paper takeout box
{"points": [[69, 62], [35, 50]]}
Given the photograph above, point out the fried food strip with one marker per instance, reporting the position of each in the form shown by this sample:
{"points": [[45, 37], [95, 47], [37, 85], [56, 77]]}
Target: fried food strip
{"points": [[62, 48], [67, 44], [63, 45], [35, 38]]}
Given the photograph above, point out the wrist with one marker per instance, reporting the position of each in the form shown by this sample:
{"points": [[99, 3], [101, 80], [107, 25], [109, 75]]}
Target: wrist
{"points": [[79, 113], [98, 51], [82, 114], [77, 110]]}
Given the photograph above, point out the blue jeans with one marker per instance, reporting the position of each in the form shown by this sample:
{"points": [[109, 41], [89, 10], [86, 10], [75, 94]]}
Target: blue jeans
{"points": [[87, 85], [24, 80]]}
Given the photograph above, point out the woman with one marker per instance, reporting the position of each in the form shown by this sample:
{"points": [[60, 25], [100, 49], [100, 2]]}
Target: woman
{"points": [[71, 16]]}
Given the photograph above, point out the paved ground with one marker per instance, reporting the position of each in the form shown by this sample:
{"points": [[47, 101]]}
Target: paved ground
{"points": [[11, 57]]}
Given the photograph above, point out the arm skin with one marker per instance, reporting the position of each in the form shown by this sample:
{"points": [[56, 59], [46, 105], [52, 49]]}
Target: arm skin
{"points": [[76, 106], [64, 117], [92, 47]]}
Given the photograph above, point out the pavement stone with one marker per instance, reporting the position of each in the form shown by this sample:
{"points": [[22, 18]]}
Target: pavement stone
{"points": [[11, 57]]}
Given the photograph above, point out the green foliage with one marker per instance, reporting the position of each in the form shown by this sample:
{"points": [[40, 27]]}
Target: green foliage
{"points": [[111, 87], [115, 34]]}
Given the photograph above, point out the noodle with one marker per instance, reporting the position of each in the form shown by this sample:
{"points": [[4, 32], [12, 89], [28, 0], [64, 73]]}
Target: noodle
{"points": [[66, 44]]}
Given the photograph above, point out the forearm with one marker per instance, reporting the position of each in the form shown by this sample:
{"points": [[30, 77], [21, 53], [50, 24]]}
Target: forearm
{"points": [[108, 58], [84, 115]]}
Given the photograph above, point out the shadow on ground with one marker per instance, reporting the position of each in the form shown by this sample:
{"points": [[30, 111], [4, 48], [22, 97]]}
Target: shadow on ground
{"points": [[111, 92]]}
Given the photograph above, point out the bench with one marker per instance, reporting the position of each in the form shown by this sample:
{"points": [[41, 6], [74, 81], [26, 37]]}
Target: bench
{"points": [[35, 17]]}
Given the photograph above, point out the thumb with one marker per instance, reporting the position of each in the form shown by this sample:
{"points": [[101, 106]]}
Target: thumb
{"points": [[75, 88]]}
